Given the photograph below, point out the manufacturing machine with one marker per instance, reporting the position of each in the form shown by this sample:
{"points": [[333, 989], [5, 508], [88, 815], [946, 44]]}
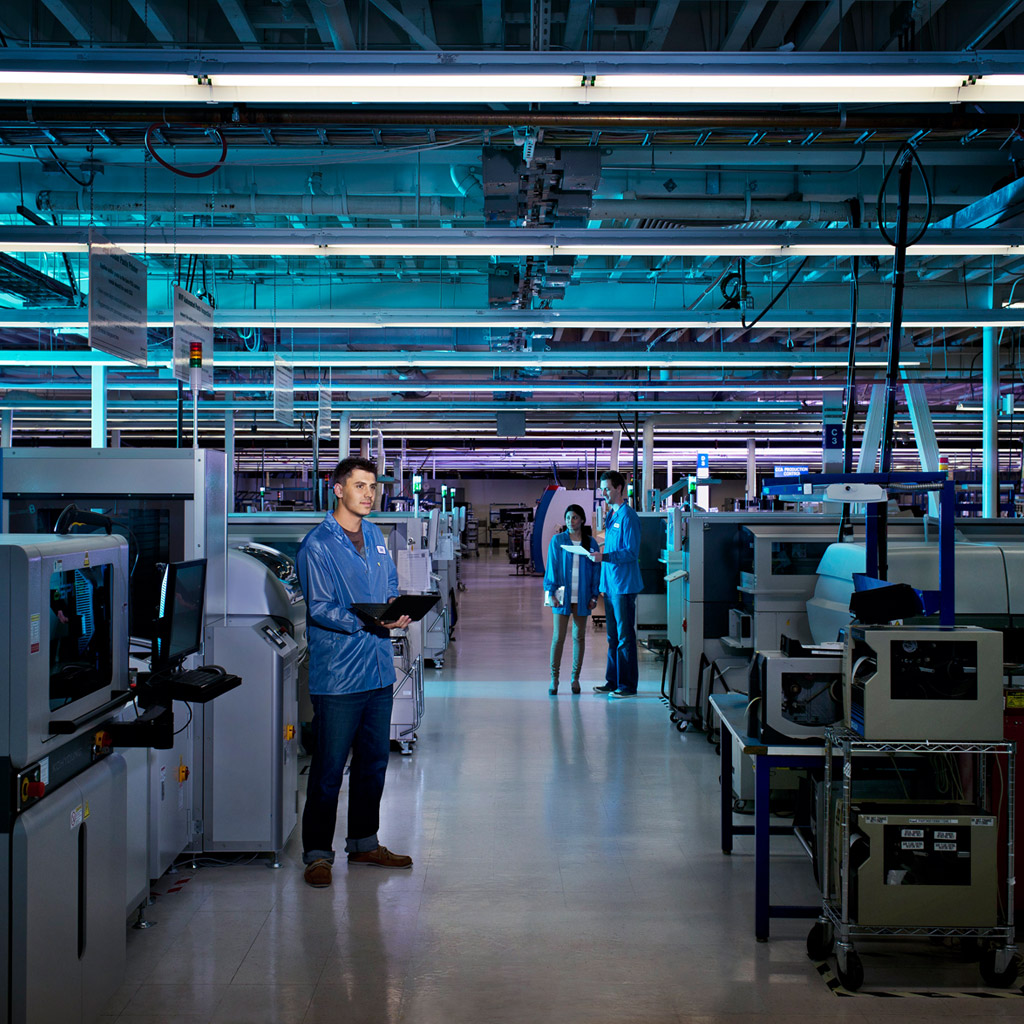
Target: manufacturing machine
{"points": [[63, 673], [793, 699], [651, 609], [924, 683], [764, 553], [250, 739], [172, 505], [931, 865], [989, 577]]}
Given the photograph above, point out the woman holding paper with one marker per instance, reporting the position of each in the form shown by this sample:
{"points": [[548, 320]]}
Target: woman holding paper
{"points": [[571, 588]]}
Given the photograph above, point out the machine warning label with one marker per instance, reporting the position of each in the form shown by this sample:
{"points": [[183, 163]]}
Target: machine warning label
{"points": [[44, 771], [912, 833], [912, 844], [77, 817], [945, 835], [934, 821], [33, 634], [946, 847], [988, 822]]}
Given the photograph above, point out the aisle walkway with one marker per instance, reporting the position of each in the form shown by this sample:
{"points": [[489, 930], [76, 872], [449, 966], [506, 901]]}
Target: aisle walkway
{"points": [[567, 870]]}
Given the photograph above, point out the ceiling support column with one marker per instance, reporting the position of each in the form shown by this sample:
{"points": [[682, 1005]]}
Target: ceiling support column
{"points": [[98, 407], [924, 436], [647, 479], [751, 472], [344, 436], [229, 459], [6, 428], [989, 423]]}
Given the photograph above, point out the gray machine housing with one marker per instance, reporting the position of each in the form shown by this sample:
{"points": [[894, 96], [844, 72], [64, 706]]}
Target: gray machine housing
{"points": [[250, 740], [942, 683], [926, 866], [794, 698]]}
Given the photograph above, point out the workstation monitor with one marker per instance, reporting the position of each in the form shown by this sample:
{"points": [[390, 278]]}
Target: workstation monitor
{"points": [[178, 629]]}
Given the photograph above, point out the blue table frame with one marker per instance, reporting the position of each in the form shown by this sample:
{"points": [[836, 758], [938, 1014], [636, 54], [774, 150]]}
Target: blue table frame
{"points": [[731, 711]]}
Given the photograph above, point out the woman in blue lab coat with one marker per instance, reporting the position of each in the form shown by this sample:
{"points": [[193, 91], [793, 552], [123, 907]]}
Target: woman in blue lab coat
{"points": [[571, 588]]}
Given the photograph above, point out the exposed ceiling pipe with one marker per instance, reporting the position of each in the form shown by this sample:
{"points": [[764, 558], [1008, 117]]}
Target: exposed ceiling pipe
{"points": [[962, 119], [446, 207]]}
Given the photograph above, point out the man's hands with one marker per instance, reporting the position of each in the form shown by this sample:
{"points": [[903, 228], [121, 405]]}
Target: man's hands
{"points": [[595, 556], [399, 623]]}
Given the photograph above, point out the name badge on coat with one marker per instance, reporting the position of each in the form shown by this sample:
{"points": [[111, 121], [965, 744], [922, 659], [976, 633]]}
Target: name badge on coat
{"points": [[383, 550]]}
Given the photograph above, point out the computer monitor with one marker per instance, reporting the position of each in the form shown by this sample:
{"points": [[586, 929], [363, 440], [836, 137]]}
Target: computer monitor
{"points": [[178, 630]]}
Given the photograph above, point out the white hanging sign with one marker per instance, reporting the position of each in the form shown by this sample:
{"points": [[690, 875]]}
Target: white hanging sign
{"points": [[324, 425], [117, 302], [193, 325], [284, 392]]}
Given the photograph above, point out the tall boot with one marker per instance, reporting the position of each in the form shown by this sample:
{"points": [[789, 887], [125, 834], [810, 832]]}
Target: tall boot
{"points": [[554, 684]]}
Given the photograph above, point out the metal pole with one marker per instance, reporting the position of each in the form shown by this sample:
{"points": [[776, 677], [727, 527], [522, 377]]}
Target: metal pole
{"points": [[990, 423], [180, 424], [98, 391], [648, 468], [751, 471], [636, 458], [6, 428], [229, 459], [899, 274]]}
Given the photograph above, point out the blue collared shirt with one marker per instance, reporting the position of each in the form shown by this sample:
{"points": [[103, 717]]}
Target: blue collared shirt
{"points": [[344, 655], [620, 559]]}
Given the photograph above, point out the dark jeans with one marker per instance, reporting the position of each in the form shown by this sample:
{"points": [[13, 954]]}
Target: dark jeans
{"points": [[620, 619], [360, 722]]}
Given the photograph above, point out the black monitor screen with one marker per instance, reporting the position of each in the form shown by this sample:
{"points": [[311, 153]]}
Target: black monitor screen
{"points": [[179, 623]]}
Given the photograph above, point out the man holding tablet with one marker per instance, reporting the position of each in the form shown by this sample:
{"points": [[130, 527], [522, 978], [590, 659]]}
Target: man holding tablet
{"points": [[342, 562]]}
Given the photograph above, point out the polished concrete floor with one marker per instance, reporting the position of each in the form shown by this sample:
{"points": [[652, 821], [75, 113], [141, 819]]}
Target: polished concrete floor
{"points": [[567, 869]]}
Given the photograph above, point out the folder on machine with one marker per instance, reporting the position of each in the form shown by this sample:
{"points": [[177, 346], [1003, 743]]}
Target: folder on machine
{"points": [[413, 605]]}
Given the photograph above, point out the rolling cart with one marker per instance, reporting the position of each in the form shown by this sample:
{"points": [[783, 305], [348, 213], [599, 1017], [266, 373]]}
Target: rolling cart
{"points": [[965, 843], [407, 710]]}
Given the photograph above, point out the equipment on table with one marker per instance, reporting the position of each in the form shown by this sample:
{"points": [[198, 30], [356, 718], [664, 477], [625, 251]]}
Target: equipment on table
{"points": [[924, 683], [793, 699]]}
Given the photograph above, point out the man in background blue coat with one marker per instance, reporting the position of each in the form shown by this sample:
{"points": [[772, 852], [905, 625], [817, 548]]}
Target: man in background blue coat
{"points": [[341, 562], [620, 583]]}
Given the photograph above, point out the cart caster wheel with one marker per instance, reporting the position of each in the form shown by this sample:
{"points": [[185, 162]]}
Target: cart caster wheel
{"points": [[995, 978], [820, 941], [853, 976], [682, 726], [740, 806], [405, 748], [438, 664], [674, 718]]}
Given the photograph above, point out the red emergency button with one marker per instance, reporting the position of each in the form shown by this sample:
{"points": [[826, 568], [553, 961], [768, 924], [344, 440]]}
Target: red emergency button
{"points": [[35, 790]]}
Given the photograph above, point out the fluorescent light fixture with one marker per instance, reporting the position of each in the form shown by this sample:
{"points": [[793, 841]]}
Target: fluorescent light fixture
{"points": [[567, 360], [377, 78]]}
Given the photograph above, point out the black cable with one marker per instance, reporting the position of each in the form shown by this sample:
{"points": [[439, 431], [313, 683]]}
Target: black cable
{"points": [[783, 290], [187, 174], [188, 722], [906, 148], [64, 167]]}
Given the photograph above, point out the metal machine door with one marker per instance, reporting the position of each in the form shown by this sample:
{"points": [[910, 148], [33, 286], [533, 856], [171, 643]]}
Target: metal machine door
{"points": [[67, 899]]}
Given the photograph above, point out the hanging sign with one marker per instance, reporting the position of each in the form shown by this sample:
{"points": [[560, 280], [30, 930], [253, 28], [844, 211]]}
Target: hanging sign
{"points": [[193, 326], [324, 424], [117, 301], [284, 392]]}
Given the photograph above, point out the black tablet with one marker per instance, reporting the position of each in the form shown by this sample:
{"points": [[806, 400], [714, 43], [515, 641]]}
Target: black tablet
{"points": [[413, 605]]}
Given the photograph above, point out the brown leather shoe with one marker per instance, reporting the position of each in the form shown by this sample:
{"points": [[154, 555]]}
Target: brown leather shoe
{"points": [[382, 857], [318, 874]]}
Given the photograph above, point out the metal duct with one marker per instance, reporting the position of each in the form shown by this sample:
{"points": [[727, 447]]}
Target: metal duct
{"points": [[436, 207]]}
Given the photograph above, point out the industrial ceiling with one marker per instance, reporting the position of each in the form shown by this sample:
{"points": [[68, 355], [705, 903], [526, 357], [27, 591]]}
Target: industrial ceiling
{"points": [[475, 221]]}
